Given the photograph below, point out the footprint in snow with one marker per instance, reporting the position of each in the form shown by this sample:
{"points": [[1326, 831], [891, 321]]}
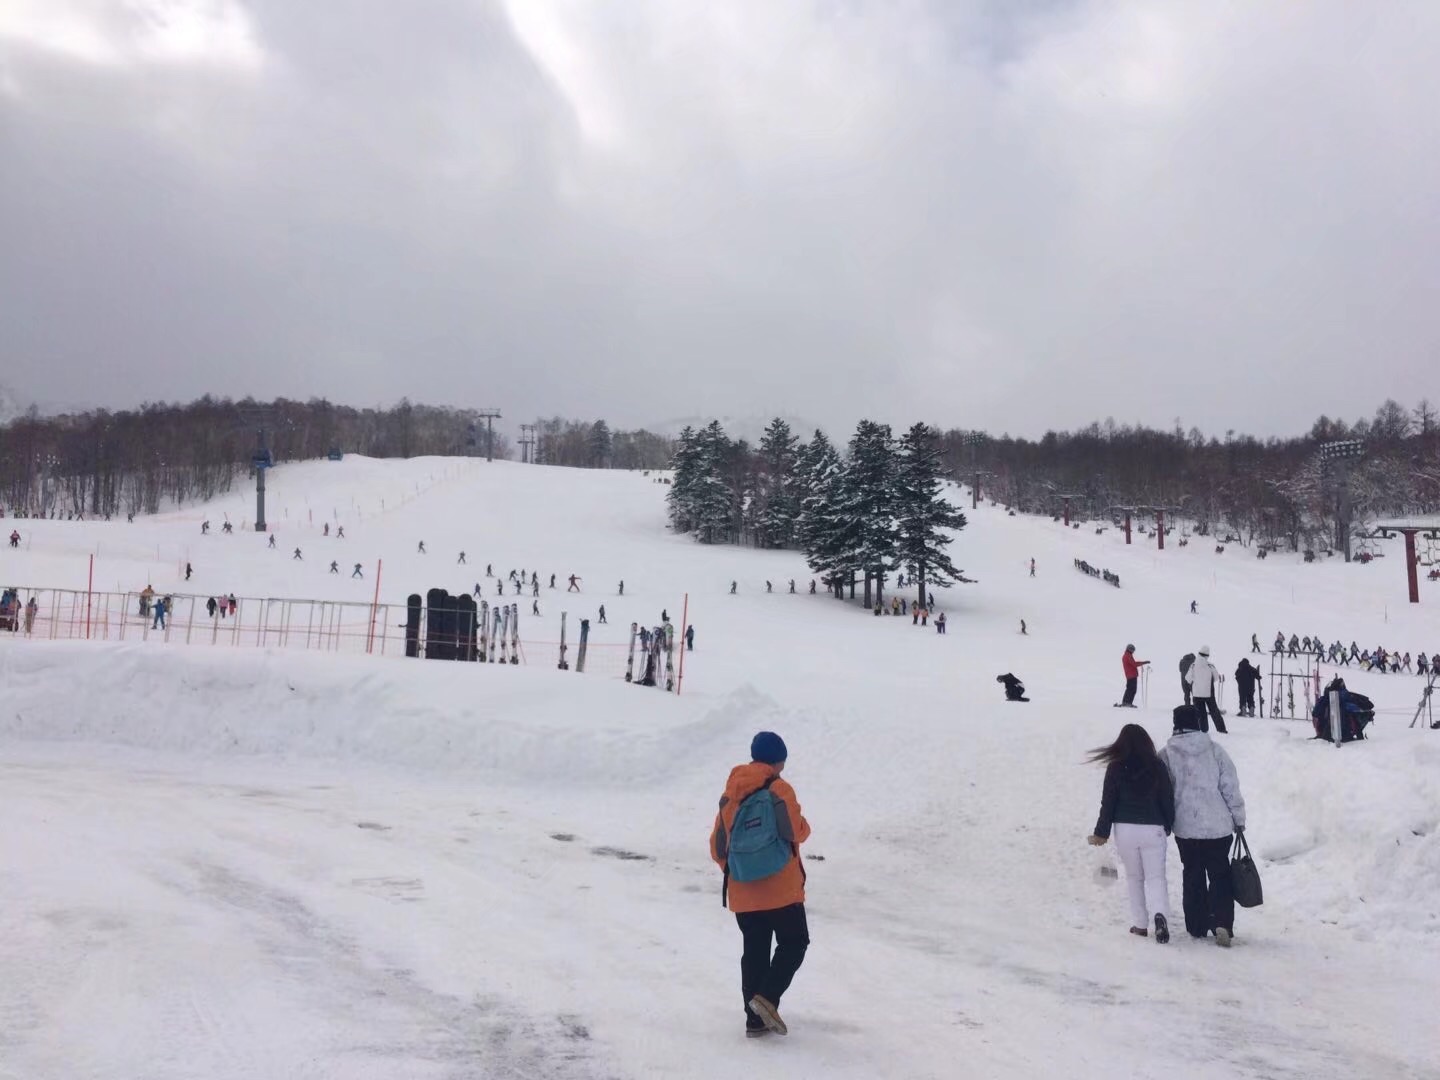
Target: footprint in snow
{"points": [[621, 854]]}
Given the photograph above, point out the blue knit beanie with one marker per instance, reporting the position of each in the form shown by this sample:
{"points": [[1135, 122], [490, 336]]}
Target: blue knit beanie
{"points": [[767, 747]]}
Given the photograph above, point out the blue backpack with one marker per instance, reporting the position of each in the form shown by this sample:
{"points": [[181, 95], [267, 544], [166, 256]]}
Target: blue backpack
{"points": [[756, 849]]}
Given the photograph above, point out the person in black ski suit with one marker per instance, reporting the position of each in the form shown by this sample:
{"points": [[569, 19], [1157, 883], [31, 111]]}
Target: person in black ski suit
{"points": [[1186, 662], [1014, 688], [1246, 676]]}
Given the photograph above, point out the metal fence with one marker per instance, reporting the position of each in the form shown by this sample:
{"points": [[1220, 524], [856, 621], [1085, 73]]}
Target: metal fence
{"points": [[268, 622]]}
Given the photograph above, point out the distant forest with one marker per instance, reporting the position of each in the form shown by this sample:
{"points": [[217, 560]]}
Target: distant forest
{"points": [[1275, 491], [103, 463]]}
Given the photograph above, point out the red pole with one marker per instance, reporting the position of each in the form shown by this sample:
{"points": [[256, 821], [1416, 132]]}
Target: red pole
{"points": [[1127, 526], [1410, 566], [1160, 527], [90, 588], [374, 606], [684, 624]]}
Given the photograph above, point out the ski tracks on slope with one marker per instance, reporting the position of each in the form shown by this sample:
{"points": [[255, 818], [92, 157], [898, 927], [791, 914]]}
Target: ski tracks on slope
{"points": [[412, 1025]]}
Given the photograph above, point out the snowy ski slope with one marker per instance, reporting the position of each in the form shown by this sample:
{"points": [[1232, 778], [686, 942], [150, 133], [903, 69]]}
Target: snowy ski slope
{"points": [[230, 863]]}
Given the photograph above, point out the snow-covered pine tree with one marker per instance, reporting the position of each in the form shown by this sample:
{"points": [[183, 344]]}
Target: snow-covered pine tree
{"points": [[599, 445], [711, 502], [868, 506], [778, 487], [821, 478], [685, 465], [923, 514]]}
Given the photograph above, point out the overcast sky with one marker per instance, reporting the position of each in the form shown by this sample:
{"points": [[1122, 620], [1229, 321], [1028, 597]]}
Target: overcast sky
{"points": [[1000, 214]]}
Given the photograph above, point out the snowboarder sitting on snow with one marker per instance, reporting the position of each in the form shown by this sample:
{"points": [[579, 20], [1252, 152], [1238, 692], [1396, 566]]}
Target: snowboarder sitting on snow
{"points": [[756, 841], [1014, 688]]}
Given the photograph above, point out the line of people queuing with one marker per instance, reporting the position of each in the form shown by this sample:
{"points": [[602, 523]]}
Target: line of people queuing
{"points": [[1385, 661]]}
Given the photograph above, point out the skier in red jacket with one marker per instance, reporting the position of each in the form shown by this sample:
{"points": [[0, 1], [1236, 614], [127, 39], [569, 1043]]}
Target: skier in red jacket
{"points": [[1132, 675]]}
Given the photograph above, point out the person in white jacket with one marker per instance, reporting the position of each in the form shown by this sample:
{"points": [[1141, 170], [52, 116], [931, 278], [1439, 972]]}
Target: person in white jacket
{"points": [[1209, 810], [1204, 684]]}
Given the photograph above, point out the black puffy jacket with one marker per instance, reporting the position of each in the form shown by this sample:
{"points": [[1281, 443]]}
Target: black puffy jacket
{"points": [[1135, 800]]}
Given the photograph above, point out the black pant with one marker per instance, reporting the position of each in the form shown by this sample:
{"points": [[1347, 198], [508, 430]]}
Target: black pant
{"points": [[1247, 697], [1208, 891], [1129, 698], [759, 972], [1185, 689], [1207, 705]]}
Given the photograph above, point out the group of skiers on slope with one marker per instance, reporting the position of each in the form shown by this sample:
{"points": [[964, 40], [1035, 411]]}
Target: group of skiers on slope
{"points": [[13, 614], [1190, 789], [1380, 659], [160, 609], [1199, 683]]}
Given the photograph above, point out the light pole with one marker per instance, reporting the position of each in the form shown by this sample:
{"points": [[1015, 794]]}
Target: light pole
{"points": [[1338, 457]]}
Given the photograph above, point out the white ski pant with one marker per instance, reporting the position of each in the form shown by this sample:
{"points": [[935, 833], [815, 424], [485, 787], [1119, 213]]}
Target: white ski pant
{"points": [[1142, 849]]}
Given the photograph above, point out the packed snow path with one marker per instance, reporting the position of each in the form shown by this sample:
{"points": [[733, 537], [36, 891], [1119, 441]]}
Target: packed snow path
{"points": [[229, 863]]}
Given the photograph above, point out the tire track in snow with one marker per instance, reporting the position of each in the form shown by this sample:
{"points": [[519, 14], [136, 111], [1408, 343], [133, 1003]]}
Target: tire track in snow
{"points": [[484, 1037]]}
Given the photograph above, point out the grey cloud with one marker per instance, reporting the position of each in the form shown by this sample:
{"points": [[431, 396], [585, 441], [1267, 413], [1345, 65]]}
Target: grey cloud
{"points": [[1002, 215]]}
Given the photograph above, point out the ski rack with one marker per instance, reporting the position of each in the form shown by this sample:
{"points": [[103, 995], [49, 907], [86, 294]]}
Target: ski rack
{"points": [[1426, 708], [1281, 680]]}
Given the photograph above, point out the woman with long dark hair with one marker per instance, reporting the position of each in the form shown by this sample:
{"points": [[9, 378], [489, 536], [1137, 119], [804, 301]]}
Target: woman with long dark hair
{"points": [[1138, 800]]}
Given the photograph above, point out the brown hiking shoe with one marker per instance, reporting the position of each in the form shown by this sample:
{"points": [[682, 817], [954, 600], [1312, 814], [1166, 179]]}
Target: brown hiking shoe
{"points": [[768, 1013]]}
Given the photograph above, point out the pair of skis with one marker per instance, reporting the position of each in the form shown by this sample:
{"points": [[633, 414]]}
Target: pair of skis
{"points": [[659, 654], [497, 631]]}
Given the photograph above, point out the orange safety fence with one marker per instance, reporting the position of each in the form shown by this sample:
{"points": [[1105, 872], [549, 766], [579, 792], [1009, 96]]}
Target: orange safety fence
{"points": [[265, 622]]}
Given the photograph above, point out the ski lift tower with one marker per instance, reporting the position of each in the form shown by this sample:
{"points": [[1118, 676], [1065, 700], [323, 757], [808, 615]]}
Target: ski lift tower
{"points": [[1408, 529], [974, 440], [1129, 512], [1066, 499], [1160, 512], [1336, 460], [259, 418], [489, 416]]}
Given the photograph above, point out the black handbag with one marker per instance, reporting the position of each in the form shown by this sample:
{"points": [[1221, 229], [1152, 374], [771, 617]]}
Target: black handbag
{"points": [[1244, 876]]}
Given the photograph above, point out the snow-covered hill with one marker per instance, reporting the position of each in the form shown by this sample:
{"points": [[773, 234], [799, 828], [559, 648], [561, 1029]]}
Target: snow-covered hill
{"points": [[235, 862]]}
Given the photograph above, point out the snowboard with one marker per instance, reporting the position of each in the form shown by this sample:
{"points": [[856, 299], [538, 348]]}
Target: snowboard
{"points": [[630, 663]]}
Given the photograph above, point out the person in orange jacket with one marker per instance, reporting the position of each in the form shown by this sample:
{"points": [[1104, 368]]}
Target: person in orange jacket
{"points": [[1132, 674], [772, 906]]}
